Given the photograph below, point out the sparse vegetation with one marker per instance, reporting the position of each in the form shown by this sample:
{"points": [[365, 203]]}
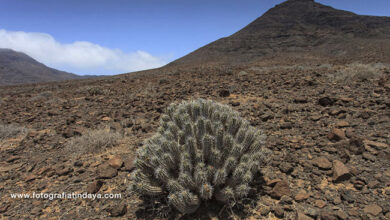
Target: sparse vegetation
{"points": [[42, 95], [358, 72], [11, 131], [91, 91], [92, 142], [202, 151]]}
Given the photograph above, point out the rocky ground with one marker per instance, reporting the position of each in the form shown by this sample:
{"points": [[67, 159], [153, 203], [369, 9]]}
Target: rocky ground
{"points": [[329, 131]]}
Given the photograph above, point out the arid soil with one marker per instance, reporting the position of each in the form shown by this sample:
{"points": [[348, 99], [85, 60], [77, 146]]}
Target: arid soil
{"points": [[328, 126]]}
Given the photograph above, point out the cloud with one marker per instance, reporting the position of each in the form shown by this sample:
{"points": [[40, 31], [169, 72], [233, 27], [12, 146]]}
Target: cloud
{"points": [[80, 57]]}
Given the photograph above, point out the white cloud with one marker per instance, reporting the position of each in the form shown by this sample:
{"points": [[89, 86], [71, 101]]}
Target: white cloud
{"points": [[80, 57]]}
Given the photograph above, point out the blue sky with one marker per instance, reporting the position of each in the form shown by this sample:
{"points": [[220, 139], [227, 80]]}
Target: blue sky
{"points": [[116, 36]]}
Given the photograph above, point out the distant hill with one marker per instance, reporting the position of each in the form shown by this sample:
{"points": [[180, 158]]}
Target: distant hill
{"points": [[18, 68], [301, 29]]}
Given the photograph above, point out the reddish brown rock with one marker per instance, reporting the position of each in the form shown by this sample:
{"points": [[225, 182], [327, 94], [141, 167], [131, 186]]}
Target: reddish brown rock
{"points": [[281, 189], [320, 203], [106, 172], [30, 177], [118, 210], [301, 195], [94, 187], [128, 164], [12, 159], [340, 171], [342, 124], [349, 133], [377, 145], [372, 209], [64, 171], [301, 216], [272, 182], [322, 163], [116, 162], [336, 134], [341, 215]]}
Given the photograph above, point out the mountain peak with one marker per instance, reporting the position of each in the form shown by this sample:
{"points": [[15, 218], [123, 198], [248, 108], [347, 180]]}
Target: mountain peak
{"points": [[300, 0], [301, 27], [18, 68]]}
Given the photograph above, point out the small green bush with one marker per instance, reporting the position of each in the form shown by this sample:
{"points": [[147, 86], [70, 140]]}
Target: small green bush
{"points": [[202, 151]]}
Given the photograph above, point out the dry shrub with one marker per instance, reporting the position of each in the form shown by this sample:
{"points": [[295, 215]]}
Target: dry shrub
{"points": [[42, 96], [358, 72], [11, 131], [93, 141], [92, 91]]}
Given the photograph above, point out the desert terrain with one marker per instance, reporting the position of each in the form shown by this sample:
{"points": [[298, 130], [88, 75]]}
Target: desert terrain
{"points": [[324, 106]]}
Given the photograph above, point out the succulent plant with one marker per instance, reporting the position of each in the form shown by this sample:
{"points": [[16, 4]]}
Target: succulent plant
{"points": [[203, 150]]}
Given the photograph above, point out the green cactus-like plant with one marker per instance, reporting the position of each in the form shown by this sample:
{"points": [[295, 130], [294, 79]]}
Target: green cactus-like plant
{"points": [[203, 150]]}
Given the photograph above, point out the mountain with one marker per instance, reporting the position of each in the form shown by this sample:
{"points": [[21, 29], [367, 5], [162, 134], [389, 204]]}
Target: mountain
{"points": [[304, 29], [19, 68]]}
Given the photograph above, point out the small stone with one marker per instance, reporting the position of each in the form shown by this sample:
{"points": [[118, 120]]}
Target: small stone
{"points": [[322, 163], [312, 212], [234, 103], [337, 200], [315, 117], [372, 209], [301, 216], [348, 195], [224, 93], [12, 159], [302, 195], [369, 156], [272, 183], [64, 171], [36, 211], [30, 177], [356, 145], [264, 210], [94, 187], [4, 207], [106, 172], [286, 125], [78, 163], [43, 170], [128, 164], [328, 216], [340, 171], [336, 134], [280, 189], [286, 200], [341, 214], [116, 162], [325, 101], [377, 145], [349, 132], [118, 210], [320, 203], [286, 167], [373, 184], [300, 100], [358, 184], [342, 124], [106, 119], [279, 212]]}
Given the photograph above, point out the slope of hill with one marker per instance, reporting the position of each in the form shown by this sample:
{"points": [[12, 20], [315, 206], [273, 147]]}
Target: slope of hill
{"points": [[301, 28], [19, 68]]}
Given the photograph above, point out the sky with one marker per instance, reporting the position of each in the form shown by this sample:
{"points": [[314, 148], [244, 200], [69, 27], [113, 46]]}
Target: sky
{"points": [[117, 36]]}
